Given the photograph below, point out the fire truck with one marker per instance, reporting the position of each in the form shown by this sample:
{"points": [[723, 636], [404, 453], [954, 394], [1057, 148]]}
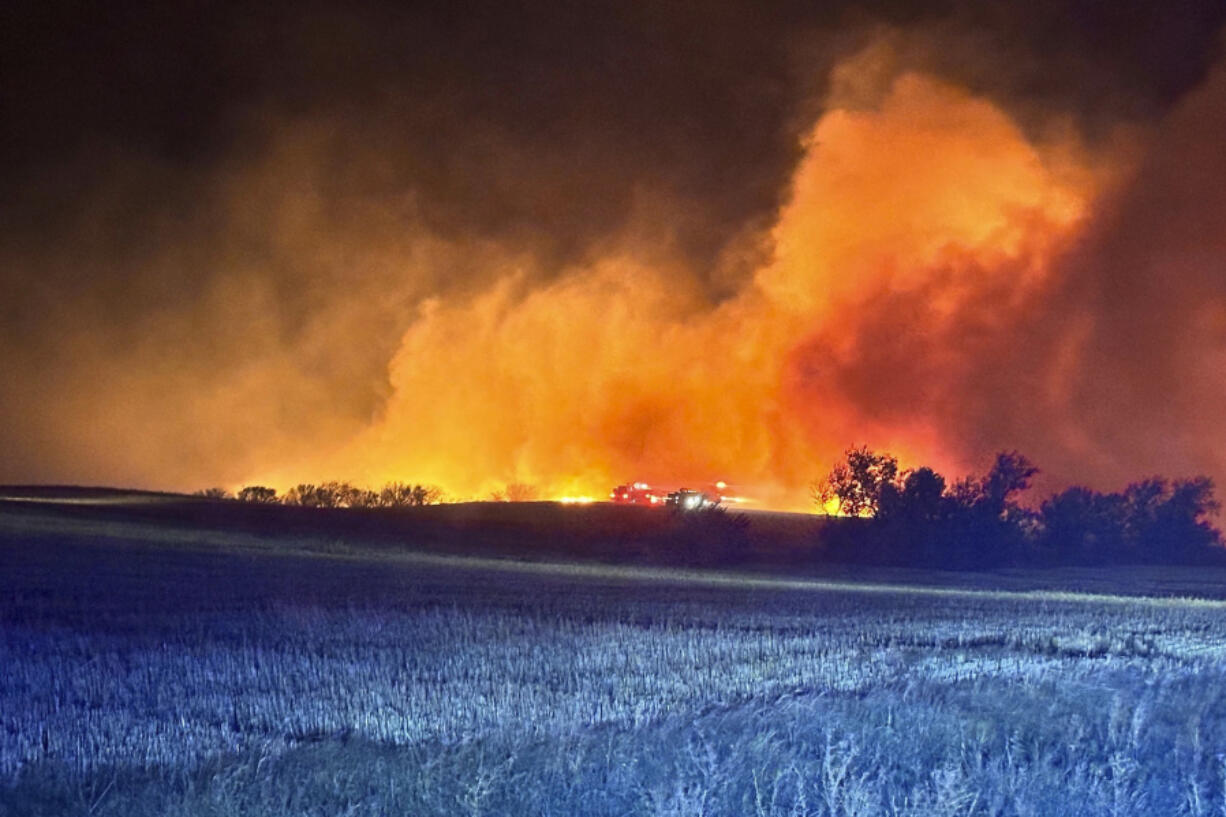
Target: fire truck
{"points": [[637, 493], [640, 493], [687, 500]]}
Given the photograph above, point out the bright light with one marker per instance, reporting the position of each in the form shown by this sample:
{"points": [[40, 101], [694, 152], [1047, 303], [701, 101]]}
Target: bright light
{"points": [[721, 485], [576, 500]]}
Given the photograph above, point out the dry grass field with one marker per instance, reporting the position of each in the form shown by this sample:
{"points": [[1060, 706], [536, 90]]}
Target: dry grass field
{"points": [[175, 657]]}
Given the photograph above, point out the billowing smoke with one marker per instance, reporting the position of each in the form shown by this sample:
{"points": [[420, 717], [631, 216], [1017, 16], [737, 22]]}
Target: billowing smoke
{"points": [[1103, 360], [904, 217], [829, 235]]}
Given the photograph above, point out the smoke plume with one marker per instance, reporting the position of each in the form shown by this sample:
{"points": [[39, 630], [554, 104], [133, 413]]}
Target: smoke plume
{"points": [[729, 261], [905, 219]]}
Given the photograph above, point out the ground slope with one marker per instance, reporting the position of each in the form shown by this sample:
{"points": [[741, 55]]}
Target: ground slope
{"points": [[155, 669]]}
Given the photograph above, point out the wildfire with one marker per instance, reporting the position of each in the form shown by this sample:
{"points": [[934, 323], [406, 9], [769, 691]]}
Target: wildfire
{"points": [[930, 197]]}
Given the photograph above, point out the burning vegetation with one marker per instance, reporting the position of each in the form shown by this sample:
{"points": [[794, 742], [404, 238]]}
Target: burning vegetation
{"points": [[904, 233]]}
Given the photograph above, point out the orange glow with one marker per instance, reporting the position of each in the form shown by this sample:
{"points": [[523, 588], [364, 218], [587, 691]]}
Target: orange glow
{"points": [[621, 366]]}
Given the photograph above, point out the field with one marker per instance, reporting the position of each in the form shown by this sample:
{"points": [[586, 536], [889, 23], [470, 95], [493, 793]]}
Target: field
{"points": [[157, 665]]}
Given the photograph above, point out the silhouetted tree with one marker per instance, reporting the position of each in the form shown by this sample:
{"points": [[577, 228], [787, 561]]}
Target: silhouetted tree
{"points": [[395, 495], [919, 500], [1153, 520], [1083, 526], [1010, 474], [214, 493], [402, 494], [916, 518], [257, 493], [858, 483], [305, 495], [987, 526], [1168, 521], [330, 494], [913, 519], [345, 495]]}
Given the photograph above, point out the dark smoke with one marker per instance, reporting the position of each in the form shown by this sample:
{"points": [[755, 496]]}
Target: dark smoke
{"points": [[218, 221]]}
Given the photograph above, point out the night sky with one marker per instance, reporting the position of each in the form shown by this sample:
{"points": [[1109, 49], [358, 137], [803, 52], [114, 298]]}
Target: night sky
{"points": [[573, 244]]}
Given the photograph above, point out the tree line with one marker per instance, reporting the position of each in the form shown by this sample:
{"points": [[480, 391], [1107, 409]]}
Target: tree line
{"points": [[335, 495], [917, 517]]}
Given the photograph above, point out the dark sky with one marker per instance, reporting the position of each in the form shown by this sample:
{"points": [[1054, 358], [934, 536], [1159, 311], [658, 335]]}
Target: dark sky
{"points": [[218, 220]]}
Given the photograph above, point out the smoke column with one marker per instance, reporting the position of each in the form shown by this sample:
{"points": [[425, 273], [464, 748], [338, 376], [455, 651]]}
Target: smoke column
{"points": [[926, 198], [693, 245]]}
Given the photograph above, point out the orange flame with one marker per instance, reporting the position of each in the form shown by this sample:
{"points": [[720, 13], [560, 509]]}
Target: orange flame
{"points": [[622, 369]]}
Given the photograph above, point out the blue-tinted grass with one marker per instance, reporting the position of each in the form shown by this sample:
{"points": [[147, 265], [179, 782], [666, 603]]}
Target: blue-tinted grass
{"points": [[145, 681]]}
